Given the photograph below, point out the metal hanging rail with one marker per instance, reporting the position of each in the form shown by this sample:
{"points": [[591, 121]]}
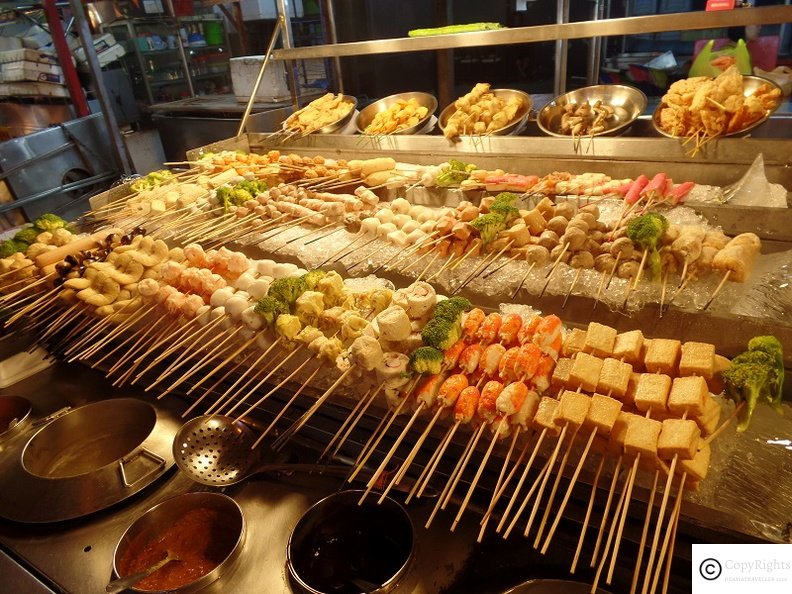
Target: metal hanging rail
{"points": [[688, 21]]}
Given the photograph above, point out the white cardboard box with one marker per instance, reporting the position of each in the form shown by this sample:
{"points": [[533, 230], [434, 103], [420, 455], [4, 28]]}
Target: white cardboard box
{"points": [[32, 89], [102, 44], [29, 55], [257, 10], [31, 71], [244, 72]]}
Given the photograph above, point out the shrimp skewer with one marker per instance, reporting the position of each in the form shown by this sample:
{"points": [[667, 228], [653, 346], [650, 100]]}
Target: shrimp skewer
{"points": [[471, 324]]}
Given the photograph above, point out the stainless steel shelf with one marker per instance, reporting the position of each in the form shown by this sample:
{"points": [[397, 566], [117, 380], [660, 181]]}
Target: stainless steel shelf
{"points": [[689, 21]]}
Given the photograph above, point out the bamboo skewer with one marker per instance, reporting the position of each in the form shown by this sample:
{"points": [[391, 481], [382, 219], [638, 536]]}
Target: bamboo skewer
{"points": [[605, 512], [670, 538], [586, 519], [571, 287], [545, 470], [361, 404], [540, 491], [522, 281], [717, 290], [634, 284], [644, 532], [520, 482], [500, 481]]}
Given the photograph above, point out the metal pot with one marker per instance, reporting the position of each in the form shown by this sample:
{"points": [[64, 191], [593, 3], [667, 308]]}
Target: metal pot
{"points": [[341, 547], [14, 415], [155, 523]]}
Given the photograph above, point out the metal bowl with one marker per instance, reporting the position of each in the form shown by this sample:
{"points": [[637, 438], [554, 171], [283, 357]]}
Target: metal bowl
{"points": [[339, 545], [545, 586], [177, 522], [627, 103], [14, 415], [750, 85], [366, 115], [338, 124], [510, 128]]}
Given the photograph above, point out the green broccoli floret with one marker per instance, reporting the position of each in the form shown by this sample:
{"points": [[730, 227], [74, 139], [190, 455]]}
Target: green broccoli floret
{"points": [[451, 309], [506, 198], [50, 222], [426, 360], [287, 290], [772, 346], [441, 333], [748, 381], [224, 195], [507, 211], [489, 225], [645, 232], [27, 235], [239, 196], [270, 309], [11, 246], [312, 278]]}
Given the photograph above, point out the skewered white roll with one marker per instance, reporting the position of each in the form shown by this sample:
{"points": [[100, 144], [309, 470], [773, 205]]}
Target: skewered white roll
{"points": [[410, 226], [393, 369], [385, 215], [369, 225], [386, 228], [420, 299], [400, 206], [394, 324], [251, 319], [398, 238], [400, 219], [365, 352]]}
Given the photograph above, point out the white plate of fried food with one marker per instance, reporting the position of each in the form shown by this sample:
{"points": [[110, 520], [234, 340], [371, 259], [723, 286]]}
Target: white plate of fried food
{"points": [[484, 112], [703, 108], [325, 115], [403, 113]]}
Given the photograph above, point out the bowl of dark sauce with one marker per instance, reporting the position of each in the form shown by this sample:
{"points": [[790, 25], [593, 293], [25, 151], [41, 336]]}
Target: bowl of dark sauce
{"points": [[340, 547]]}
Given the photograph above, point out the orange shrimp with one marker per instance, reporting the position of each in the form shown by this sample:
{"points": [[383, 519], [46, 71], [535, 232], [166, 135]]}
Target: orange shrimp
{"points": [[548, 335], [527, 331], [450, 389], [510, 328], [466, 404], [527, 411], [527, 361], [469, 359], [487, 408], [488, 330], [428, 391], [471, 324], [511, 398], [451, 354], [541, 379], [507, 364], [490, 359]]}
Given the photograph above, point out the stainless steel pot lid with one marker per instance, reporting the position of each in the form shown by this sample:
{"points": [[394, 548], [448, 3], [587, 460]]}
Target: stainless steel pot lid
{"points": [[86, 460], [552, 587]]}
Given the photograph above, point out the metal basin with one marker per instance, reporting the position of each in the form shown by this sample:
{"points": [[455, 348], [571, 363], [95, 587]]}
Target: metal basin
{"points": [[14, 415], [627, 103], [426, 100], [512, 127], [201, 529], [341, 547], [89, 438]]}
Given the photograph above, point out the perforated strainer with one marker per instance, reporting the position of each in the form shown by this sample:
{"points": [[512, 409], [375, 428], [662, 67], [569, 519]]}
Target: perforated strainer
{"points": [[216, 451]]}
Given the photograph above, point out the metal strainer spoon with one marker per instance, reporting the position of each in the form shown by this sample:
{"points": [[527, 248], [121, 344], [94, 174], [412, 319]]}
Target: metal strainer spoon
{"points": [[216, 451]]}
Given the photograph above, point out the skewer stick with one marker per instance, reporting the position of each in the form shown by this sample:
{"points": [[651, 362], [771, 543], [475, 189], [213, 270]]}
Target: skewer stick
{"points": [[600, 287], [227, 359], [540, 492], [477, 476], [675, 521], [483, 266], [242, 377], [299, 237], [502, 266], [428, 266], [32, 306], [402, 471], [680, 288], [244, 361], [669, 531], [568, 493], [361, 405], [522, 281], [287, 435], [332, 256], [450, 259], [717, 290], [144, 338], [663, 292], [188, 352], [613, 270], [586, 519], [326, 235], [644, 532], [386, 460], [606, 511], [369, 448], [542, 473], [464, 257], [636, 280], [521, 482], [571, 287], [684, 273], [274, 389], [431, 466], [289, 403], [500, 481]]}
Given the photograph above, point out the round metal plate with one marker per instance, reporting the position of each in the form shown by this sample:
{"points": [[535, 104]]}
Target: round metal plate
{"points": [[338, 124], [627, 103], [512, 127], [426, 100], [750, 86]]}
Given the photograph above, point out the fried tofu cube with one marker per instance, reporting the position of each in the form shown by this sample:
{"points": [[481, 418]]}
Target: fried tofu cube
{"points": [[573, 343], [710, 418], [614, 377], [535, 222], [572, 408], [602, 413], [545, 415], [662, 356], [715, 383], [642, 435], [652, 392], [560, 378], [679, 437], [688, 394], [632, 386], [639, 365], [585, 372], [628, 346], [698, 466], [698, 358], [599, 340], [619, 432]]}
